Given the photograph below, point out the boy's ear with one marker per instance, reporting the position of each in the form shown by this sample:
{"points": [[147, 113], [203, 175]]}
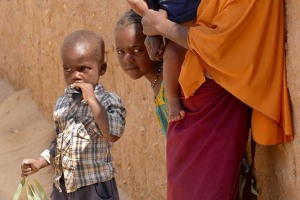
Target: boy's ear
{"points": [[102, 69]]}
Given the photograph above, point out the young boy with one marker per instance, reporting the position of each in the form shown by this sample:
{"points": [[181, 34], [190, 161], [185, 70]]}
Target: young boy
{"points": [[87, 120], [179, 11]]}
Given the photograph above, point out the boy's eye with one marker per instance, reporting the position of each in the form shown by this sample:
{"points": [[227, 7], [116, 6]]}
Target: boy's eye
{"points": [[67, 69], [84, 68]]}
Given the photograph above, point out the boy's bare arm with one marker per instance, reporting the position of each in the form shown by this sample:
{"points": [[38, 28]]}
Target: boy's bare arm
{"points": [[31, 166], [139, 6]]}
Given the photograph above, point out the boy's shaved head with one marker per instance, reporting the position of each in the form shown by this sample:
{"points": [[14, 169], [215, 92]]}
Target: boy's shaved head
{"points": [[129, 18], [87, 39]]}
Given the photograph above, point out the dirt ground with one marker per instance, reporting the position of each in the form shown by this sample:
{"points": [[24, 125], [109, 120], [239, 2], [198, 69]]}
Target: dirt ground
{"points": [[23, 133]]}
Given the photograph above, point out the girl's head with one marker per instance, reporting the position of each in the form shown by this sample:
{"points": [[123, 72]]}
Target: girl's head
{"points": [[82, 54], [131, 50]]}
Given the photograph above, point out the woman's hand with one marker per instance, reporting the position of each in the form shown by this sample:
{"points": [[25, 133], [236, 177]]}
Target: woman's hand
{"points": [[151, 20], [156, 23]]}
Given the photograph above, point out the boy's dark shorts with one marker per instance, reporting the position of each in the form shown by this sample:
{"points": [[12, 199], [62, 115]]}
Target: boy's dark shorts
{"points": [[105, 190]]}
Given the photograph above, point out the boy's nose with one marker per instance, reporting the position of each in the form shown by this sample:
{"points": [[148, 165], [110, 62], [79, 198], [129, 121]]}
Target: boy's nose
{"points": [[76, 76]]}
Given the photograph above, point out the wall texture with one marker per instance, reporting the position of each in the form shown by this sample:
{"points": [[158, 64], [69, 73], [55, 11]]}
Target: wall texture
{"points": [[278, 167], [31, 33]]}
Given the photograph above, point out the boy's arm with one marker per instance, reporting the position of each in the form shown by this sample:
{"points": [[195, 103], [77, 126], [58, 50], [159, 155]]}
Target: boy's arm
{"points": [[139, 6], [31, 166], [113, 109], [109, 115], [101, 119]]}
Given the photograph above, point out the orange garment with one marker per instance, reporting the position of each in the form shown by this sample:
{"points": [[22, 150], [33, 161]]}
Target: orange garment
{"points": [[241, 44]]}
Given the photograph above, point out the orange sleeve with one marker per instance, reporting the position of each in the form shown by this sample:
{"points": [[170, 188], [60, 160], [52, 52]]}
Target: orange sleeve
{"points": [[241, 44]]}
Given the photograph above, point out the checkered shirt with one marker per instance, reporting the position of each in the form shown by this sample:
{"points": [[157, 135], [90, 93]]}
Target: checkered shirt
{"points": [[79, 153]]}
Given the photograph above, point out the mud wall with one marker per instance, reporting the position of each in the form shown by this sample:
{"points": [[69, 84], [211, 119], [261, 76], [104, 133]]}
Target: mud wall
{"points": [[31, 33], [278, 167]]}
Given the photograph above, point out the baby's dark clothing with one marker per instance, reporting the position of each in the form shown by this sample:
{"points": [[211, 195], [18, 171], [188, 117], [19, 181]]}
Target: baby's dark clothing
{"points": [[179, 11]]}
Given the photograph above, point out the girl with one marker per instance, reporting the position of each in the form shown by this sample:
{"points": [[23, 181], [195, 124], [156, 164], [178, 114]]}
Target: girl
{"points": [[179, 11], [135, 62]]}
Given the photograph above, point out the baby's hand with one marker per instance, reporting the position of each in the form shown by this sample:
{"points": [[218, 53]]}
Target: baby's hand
{"points": [[29, 166], [155, 47]]}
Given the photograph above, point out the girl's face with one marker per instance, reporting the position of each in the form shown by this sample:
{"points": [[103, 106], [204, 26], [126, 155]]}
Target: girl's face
{"points": [[80, 65], [132, 53]]}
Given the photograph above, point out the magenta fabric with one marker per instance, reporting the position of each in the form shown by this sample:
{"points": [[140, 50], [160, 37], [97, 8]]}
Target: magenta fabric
{"points": [[205, 149]]}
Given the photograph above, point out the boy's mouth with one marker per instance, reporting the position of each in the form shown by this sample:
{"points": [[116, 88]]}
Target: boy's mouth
{"points": [[71, 90], [78, 81]]}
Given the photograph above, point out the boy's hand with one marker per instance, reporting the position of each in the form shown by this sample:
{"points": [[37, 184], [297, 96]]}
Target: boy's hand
{"points": [[29, 166], [87, 91], [155, 47]]}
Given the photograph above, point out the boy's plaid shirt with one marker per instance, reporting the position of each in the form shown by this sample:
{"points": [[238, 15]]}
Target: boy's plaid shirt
{"points": [[79, 153]]}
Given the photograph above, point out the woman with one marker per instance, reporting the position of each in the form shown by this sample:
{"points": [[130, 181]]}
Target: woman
{"points": [[233, 71]]}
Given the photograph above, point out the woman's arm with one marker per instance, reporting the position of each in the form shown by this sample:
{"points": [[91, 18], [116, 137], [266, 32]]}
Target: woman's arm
{"points": [[156, 23], [139, 6]]}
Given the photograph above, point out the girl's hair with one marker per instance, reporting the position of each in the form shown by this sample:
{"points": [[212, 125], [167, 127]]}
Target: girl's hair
{"points": [[129, 18]]}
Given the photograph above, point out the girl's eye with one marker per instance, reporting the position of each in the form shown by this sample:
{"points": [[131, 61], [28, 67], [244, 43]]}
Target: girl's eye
{"points": [[120, 52], [137, 50]]}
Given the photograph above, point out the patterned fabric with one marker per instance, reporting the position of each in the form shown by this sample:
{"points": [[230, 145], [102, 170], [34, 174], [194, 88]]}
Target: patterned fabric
{"points": [[162, 113], [179, 11], [79, 153]]}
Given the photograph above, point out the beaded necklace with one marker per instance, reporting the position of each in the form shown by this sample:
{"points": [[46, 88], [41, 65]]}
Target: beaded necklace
{"points": [[157, 76]]}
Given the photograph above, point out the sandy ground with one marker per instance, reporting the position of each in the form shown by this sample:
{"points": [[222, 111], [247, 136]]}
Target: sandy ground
{"points": [[24, 132]]}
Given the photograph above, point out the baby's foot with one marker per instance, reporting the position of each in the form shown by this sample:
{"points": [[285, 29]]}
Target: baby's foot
{"points": [[176, 110]]}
